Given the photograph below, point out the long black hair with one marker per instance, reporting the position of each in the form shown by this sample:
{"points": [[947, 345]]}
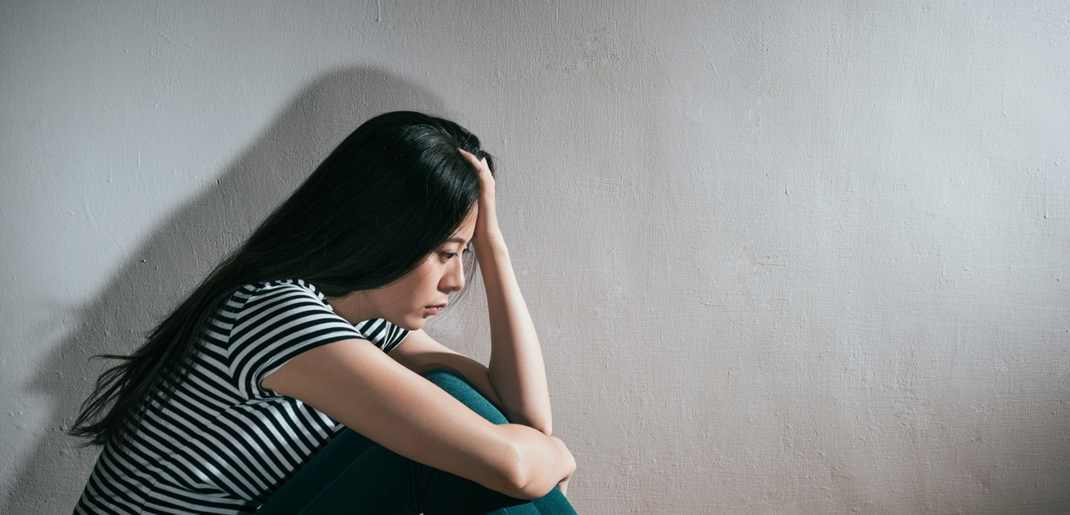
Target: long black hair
{"points": [[391, 193]]}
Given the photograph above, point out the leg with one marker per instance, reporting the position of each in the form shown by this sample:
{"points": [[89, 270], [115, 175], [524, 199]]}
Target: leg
{"points": [[355, 475]]}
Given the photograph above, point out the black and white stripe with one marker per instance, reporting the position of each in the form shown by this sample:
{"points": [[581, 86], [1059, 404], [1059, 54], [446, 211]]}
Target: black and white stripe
{"points": [[223, 444]]}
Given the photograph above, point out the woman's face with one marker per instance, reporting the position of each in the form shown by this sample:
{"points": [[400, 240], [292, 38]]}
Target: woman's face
{"points": [[422, 293]]}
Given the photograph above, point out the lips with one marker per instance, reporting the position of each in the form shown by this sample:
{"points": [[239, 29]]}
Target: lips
{"points": [[434, 309]]}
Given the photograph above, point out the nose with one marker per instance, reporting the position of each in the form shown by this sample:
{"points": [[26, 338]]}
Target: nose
{"points": [[454, 278]]}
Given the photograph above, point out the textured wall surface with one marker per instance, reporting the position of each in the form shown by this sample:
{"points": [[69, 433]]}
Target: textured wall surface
{"points": [[784, 257]]}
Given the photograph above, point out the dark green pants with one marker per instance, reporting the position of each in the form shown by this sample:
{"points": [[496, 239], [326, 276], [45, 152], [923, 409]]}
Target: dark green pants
{"points": [[354, 475]]}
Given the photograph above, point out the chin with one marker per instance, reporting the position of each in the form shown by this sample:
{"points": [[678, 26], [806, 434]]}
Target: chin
{"points": [[409, 323]]}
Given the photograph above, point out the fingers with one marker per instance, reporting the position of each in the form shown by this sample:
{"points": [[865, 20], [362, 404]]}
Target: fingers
{"points": [[485, 177], [471, 157], [480, 164], [570, 465], [487, 230], [563, 485]]}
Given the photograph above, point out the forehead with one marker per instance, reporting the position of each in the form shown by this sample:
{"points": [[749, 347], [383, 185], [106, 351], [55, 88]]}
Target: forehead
{"points": [[463, 234], [468, 226]]}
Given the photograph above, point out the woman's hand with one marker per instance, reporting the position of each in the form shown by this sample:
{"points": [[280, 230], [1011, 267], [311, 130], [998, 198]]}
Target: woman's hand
{"points": [[571, 466], [487, 232]]}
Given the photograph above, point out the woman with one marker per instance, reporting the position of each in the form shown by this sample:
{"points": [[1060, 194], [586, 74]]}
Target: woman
{"points": [[297, 376]]}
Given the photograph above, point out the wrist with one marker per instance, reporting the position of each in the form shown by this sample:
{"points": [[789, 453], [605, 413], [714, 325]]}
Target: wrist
{"points": [[489, 241]]}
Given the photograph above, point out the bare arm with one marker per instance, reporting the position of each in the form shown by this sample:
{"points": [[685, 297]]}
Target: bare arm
{"points": [[357, 384], [516, 368], [420, 352]]}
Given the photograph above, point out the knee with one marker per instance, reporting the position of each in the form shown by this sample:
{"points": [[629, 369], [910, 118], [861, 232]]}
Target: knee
{"points": [[455, 384]]}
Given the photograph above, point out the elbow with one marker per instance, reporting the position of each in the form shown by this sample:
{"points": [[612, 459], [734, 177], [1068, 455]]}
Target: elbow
{"points": [[517, 486], [516, 476], [545, 426], [520, 477], [529, 464], [542, 424]]}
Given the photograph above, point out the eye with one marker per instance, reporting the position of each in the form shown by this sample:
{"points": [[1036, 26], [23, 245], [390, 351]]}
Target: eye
{"points": [[448, 255]]}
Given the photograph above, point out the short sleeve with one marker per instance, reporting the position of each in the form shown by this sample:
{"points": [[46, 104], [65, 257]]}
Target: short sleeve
{"points": [[275, 323], [383, 334]]}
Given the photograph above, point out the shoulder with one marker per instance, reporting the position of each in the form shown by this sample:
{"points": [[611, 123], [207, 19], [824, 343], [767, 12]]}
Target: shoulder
{"points": [[290, 305], [270, 310], [257, 299], [275, 321], [253, 294]]}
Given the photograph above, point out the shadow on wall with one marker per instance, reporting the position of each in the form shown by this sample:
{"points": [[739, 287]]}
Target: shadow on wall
{"points": [[181, 253]]}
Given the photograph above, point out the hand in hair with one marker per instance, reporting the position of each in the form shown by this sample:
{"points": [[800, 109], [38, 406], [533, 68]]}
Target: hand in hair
{"points": [[487, 230]]}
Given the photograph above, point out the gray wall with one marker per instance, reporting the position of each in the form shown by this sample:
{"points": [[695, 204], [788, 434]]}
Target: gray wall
{"points": [[784, 257]]}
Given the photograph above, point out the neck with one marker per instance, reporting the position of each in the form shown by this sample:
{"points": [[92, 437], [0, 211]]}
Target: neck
{"points": [[353, 307]]}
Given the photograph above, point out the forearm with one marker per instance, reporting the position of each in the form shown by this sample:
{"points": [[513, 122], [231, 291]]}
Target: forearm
{"points": [[516, 368]]}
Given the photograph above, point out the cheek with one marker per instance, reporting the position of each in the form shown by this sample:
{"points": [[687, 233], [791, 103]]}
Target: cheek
{"points": [[430, 282], [423, 280], [398, 292]]}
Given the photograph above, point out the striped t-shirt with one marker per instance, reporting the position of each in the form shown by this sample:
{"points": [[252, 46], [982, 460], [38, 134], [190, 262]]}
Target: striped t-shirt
{"points": [[223, 443]]}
